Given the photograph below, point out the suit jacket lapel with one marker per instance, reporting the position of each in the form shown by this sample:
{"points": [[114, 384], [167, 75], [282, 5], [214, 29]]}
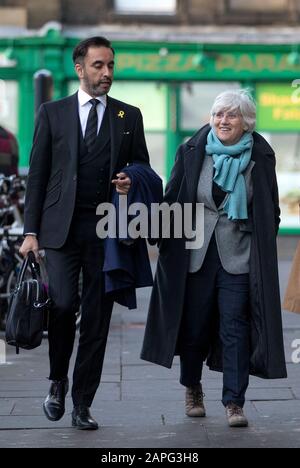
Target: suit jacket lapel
{"points": [[194, 159], [117, 118], [71, 124]]}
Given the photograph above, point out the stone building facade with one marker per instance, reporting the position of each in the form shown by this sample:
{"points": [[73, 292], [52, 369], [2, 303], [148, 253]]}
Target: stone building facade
{"points": [[35, 13]]}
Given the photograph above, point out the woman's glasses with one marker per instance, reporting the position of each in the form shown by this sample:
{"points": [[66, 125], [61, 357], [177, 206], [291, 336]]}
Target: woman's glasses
{"points": [[227, 115]]}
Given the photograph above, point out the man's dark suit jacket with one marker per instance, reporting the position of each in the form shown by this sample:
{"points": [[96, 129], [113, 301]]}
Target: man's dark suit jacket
{"points": [[52, 179]]}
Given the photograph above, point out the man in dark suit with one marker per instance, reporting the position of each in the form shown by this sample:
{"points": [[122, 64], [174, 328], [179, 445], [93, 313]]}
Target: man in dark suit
{"points": [[80, 145]]}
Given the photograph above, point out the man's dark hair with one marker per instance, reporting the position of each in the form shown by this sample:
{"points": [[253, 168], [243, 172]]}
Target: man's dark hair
{"points": [[81, 49]]}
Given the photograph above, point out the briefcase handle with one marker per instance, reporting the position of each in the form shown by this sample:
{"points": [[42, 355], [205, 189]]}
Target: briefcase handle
{"points": [[34, 267]]}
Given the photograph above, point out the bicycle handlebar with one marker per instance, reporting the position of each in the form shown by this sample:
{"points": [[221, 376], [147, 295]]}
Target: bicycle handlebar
{"points": [[13, 232]]}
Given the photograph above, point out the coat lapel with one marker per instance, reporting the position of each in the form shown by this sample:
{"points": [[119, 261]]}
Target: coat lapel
{"points": [[70, 124], [194, 159], [117, 117]]}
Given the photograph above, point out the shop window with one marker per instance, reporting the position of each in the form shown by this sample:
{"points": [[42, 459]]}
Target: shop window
{"points": [[144, 7], [150, 98], [267, 6], [257, 5], [197, 100], [287, 150], [9, 105]]}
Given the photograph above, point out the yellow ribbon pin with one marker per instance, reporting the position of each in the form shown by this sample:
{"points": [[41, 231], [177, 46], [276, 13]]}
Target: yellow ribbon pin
{"points": [[121, 114]]}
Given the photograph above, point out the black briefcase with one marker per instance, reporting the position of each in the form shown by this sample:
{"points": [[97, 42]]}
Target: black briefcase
{"points": [[28, 306]]}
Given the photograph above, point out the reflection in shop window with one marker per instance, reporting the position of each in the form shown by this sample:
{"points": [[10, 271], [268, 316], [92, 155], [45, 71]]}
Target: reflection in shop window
{"points": [[257, 5], [287, 151], [197, 100], [9, 105], [150, 98], [146, 6], [156, 144]]}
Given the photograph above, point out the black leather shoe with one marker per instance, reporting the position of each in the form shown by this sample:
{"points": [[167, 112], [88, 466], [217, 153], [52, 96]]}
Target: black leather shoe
{"points": [[54, 404], [82, 419]]}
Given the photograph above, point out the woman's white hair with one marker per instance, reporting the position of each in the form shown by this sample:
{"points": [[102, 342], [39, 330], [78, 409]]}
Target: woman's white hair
{"points": [[233, 100]]}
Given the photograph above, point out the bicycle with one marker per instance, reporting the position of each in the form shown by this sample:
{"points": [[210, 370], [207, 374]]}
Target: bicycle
{"points": [[10, 264], [12, 190], [11, 238], [12, 193]]}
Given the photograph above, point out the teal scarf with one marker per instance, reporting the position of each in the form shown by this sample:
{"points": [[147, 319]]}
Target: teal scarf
{"points": [[229, 171]]}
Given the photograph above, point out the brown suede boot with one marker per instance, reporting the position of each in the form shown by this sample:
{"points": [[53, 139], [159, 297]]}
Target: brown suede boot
{"points": [[235, 416], [194, 406]]}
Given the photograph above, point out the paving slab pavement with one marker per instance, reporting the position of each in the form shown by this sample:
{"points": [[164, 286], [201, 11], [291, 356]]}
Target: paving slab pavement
{"points": [[140, 405]]}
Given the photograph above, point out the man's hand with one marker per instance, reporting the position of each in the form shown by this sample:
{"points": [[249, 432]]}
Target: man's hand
{"points": [[122, 183], [30, 243]]}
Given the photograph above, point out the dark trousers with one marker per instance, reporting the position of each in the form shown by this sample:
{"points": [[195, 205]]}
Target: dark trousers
{"points": [[82, 251], [208, 290]]}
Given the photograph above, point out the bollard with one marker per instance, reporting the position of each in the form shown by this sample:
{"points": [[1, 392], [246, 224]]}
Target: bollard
{"points": [[2, 352], [43, 88]]}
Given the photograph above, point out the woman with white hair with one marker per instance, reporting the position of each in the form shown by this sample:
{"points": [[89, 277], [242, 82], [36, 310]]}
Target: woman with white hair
{"points": [[220, 303]]}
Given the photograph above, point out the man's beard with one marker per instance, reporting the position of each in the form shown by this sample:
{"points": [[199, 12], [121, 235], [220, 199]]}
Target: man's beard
{"points": [[93, 89]]}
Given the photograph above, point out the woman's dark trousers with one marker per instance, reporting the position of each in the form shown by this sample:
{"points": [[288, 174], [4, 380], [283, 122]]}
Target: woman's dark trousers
{"points": [[208, 290]]}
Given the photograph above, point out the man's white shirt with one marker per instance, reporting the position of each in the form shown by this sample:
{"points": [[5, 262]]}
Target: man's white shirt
{"points": [[84, 107]]}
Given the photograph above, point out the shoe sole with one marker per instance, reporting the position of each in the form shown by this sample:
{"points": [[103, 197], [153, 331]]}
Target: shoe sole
{"points": [[196, 415], [83, 428], [239, 425]]}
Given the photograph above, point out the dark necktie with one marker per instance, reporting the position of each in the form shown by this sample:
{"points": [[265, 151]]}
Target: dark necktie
{"points": [[92, 125]]}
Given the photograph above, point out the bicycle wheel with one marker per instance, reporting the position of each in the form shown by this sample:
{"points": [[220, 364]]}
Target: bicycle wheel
{"points": [[3, 313], [5, 295], [4, 299], [12, 281]]}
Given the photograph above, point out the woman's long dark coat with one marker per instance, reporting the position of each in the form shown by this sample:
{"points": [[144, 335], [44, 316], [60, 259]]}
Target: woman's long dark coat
{"points": [[167, 300]]}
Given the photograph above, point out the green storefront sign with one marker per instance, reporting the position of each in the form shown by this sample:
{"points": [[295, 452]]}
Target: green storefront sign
{"points": [[159, 74], [278, 107], [167, 63], [210, 65]]}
